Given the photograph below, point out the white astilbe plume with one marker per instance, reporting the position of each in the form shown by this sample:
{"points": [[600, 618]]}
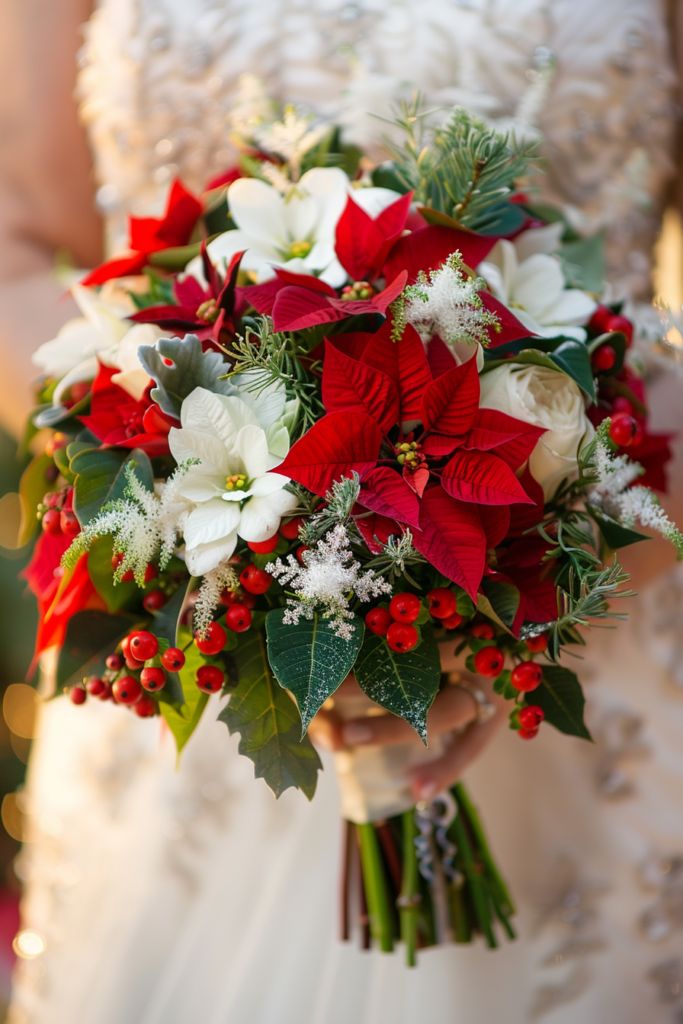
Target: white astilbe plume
{"points": [[145, 526], [631, 506], [291, 137], [327, 581], [447, 303], [223, 577]]}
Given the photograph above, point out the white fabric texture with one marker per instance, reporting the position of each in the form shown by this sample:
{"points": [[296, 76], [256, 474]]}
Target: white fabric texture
{"points": [[192, 895]]}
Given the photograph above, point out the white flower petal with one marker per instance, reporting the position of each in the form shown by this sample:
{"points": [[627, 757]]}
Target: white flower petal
{"points": [[546, 239], [257, 209], [210, 522], [206, 557], [539, 282], [252, 449], [199, 486], [261, 515], [268, 484], [198, 444]]}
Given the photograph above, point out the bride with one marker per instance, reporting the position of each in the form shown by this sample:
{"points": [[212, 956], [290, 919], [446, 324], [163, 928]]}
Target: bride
{"points": [[154, 895]]}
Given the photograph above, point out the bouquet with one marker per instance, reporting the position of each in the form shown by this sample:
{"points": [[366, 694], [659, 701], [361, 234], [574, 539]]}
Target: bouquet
{"points": [[330, 418]]}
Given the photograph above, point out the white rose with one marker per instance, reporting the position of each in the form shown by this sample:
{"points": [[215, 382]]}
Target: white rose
{"points": [[547, 398]]}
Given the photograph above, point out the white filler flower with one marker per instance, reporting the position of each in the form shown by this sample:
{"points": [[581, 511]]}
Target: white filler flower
{"points": [[228, 482], [527, 278]]}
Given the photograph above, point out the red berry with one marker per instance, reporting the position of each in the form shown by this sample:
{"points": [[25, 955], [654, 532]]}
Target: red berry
{"points": [[622, 404], [255, 580], [145, 707], [238, 618], [128, 576], [526, 676], [531, 716], [151, 572], [52, 521], [114, 662], [453, 621], [483, 631], [405, 607], [210, 678], [116, 559], [290, 529], [143, 645], [132, 663], [621, 324], [402, 637], [489, 662], [604, 358], [537, 644], [173, 659], [263, 547], [300, 552], [527, 734], [213, 641], [68, 522], [77, 695], [598, 322], [126, 690], [53, 499], [153, 678], [378, 621], [106, 692], [442, 603], [624, 430], [154, 600], [96, 686]]}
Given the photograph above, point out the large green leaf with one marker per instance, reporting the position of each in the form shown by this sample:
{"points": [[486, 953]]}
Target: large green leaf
{"points": [[90, 637], [561, 697], [190, 368], [310, 659], [183, 719], [503, 599], [405, 684], [100, 478], [583, 263], [115, 596], [32, 486], [614, 534], [268, 722]]}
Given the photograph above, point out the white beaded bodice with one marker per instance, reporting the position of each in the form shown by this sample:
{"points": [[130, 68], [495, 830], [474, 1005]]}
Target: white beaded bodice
{"points": [[159, 80]]}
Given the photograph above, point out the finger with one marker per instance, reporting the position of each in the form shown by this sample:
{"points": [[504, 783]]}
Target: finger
{"points": [[326, 731], [453, 709], [429, 779]]}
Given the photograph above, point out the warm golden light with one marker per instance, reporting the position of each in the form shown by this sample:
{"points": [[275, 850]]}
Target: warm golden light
{"points": [[12, 818], [28, 944], [19, 707]]}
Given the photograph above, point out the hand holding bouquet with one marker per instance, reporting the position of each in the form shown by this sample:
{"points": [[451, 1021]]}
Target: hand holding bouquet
{"points": [[321, 421]]}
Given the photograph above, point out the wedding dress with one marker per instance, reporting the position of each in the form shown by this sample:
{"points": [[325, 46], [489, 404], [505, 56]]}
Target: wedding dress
{"points": [[155, 895]]}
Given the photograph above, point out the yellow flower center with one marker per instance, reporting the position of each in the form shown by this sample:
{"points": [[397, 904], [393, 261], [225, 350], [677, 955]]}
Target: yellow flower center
{"points": [[408, 454], [299, 249], [357, 290], [208, 311], [235, 482]]}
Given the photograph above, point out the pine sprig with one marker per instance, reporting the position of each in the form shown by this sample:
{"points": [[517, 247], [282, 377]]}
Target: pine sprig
{"points": [[466, 170], [271, 357]]}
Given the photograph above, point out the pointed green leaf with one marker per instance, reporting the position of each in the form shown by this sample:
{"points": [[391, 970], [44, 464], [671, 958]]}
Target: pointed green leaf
{"points": [[100, 478], [90, 637], [561, 698], [405, 684], [503, 598], [310, 659], [183, 720], [614, 534], [268, 722], [32, 486]]}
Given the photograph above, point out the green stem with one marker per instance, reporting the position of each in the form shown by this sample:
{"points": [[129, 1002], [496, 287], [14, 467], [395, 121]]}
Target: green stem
{"points": [[462, 929], [470, 812], [410, 895], [474, 881], [375, 884]]}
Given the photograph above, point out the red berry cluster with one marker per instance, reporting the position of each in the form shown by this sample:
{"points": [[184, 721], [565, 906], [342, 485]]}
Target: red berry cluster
{"points": [[395, 623], [57, 515]]}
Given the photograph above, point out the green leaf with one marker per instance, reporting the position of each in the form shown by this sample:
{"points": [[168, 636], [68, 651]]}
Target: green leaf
{"points": [[571, 357], [192, 368], [310, 659], [115, 596], [503, 598], [561, 698], [268, 722], [405, 684], [100, 478], [183, 720], [583, 263], [32, 486], [90, 637], [175, 258], [614, 534]]}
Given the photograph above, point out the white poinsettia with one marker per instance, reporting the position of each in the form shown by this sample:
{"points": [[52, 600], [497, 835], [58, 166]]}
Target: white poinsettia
{"points": [[294, 229], [528, 278], [102, 332], [229, 486]]}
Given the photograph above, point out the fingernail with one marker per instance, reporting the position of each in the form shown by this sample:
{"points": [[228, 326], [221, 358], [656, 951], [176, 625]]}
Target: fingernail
{"points": [[426, 790], [356, 733]]}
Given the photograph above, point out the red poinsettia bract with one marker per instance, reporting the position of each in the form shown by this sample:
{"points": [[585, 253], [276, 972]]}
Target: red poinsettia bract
{"points": [[119, 420], [428, 457], [152, 234]]}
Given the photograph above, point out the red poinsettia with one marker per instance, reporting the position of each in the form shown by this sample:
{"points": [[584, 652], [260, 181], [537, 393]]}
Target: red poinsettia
{"points": [[121, 421], [428, 457], [209, 312], [363, 242], [152, 234]]}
